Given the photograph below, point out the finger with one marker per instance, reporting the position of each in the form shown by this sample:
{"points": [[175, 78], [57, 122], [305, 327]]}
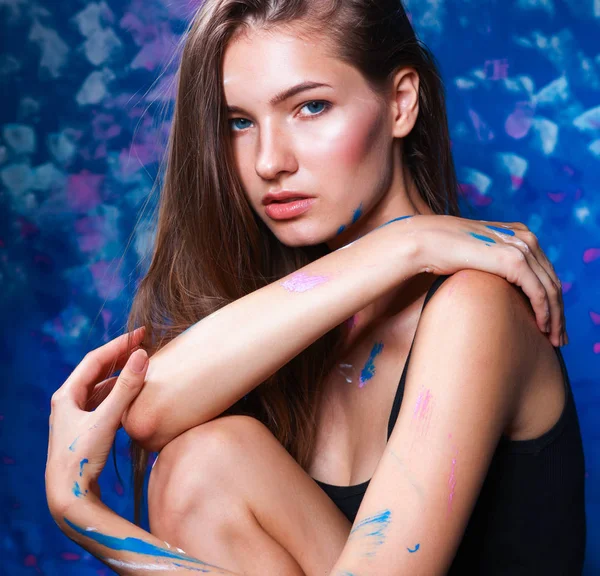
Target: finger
{"points": [[80, 396], [94, 364], [553, 286], [522, 232], [522, 274], [128, 386], [513, 264], [532, 241], [554, 325]]}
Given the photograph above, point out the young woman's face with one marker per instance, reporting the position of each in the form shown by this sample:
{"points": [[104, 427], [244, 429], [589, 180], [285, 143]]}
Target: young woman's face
{"points": [[330, 145]]}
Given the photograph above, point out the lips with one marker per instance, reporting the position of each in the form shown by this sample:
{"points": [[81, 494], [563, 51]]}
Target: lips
{"points": [[286, 210], [283, 196]]}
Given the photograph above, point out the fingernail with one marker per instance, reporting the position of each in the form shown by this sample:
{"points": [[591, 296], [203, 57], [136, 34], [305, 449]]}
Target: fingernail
{"points": [[137, 361]]}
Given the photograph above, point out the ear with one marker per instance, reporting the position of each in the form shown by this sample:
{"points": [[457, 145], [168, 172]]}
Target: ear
{"points": [[405, 101]]}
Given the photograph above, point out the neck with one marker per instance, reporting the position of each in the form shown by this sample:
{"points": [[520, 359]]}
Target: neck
{"points": [[401, 199]]}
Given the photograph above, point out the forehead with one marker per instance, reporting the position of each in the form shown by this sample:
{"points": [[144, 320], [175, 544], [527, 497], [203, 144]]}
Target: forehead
{"points": [[260, 64]]}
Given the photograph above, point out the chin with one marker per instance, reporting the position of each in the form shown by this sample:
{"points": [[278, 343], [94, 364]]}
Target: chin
{"points": [[298, 236]]}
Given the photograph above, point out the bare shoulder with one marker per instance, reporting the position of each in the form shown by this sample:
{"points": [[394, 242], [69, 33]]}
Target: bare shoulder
{"points": [[485, 313], [476, 292]]}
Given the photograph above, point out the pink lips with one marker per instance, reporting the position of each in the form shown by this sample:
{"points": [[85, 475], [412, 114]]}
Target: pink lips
{"points": [[289, 209]]}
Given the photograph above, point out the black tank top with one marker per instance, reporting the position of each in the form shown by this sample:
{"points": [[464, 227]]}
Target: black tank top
{"points": [[529, 518]]}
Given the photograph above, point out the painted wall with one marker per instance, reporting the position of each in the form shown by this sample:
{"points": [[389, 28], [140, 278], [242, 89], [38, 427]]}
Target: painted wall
{"points": [[84, 116]]}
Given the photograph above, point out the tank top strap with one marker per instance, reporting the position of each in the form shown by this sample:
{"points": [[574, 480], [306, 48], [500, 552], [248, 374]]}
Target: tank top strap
{"points": [[400, 390]]}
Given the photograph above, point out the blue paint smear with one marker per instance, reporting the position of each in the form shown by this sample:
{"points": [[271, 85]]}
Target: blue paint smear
{"points": [[374, 526], [341, 229], [396, 220], [415, 549], [77, 490], [357, 213], [502, 230], [483, 238], [134, 545], [369, 369], [72, 446], [84, 461]]}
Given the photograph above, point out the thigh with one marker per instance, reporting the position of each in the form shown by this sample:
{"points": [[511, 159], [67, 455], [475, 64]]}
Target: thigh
{"points": [[239, 455]]}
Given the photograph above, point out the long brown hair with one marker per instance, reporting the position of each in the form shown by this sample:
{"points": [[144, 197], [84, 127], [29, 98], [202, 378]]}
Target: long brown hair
{"points": [[210, 247]]}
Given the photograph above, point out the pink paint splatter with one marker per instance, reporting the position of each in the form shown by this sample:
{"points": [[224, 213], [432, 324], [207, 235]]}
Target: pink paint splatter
{"points": [[83, 191], [90, 233], [106, 318], [557, 197], [105, 127], [134, 158], [119, 488], [30, 561], [473, 195], [595, 317], [422, 404], [591, 254], [452, 483], [422, 410], [301, 282], [519, 122], [106, 281], [516, 181], [499, 69], [597, 348], [70, 556]]}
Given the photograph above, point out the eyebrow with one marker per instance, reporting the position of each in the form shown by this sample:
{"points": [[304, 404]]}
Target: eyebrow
{"points": [[285, 94]]}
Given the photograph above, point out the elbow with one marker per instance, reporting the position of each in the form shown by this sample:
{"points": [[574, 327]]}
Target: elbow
{"points": [[142, 427]]}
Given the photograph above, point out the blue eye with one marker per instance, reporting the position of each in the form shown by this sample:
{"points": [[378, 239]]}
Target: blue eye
{"points": [[323, 103], [318, 102], [237, 120]]}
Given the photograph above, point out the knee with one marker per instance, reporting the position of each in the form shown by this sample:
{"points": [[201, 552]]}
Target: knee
{"points": [[200, 465]]}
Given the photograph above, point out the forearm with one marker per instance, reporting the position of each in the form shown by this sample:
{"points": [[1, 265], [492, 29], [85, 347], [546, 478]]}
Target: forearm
{"points": [[204, 371], [121, 545]]}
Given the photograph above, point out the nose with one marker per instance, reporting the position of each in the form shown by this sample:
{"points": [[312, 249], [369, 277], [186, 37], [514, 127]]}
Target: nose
{"points": [[274, 152]]}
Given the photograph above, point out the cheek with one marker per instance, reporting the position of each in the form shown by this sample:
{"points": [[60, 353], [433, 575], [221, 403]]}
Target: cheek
{"points": [[350, 143]]}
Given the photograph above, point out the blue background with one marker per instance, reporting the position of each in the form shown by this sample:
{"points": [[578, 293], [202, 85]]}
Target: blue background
{"points": [[86, 99]]}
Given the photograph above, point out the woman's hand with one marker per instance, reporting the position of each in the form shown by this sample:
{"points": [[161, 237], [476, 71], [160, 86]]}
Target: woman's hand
{"points": [[510, 250], [80, 439]]}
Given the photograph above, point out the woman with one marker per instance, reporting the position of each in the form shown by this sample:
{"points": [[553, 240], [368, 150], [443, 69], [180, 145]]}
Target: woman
{"points": [[319, 249]]}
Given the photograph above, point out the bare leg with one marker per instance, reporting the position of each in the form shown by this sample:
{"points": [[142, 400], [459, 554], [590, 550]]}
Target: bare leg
{"points": [[228, 493]]}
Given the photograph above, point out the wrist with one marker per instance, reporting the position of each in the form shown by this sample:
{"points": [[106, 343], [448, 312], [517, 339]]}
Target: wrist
{"points": [[406, 246], [61, 498], [413, 246], [65, 505]]}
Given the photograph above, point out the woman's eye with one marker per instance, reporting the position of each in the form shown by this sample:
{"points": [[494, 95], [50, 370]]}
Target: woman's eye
{"points": [[233, 120], [323, 104], [318, 103]]}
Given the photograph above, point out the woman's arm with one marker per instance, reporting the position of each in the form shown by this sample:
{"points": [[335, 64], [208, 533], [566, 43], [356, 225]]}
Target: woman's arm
{"points": [[204, 371], [121, 545], [475, 346], [81, 432]]}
